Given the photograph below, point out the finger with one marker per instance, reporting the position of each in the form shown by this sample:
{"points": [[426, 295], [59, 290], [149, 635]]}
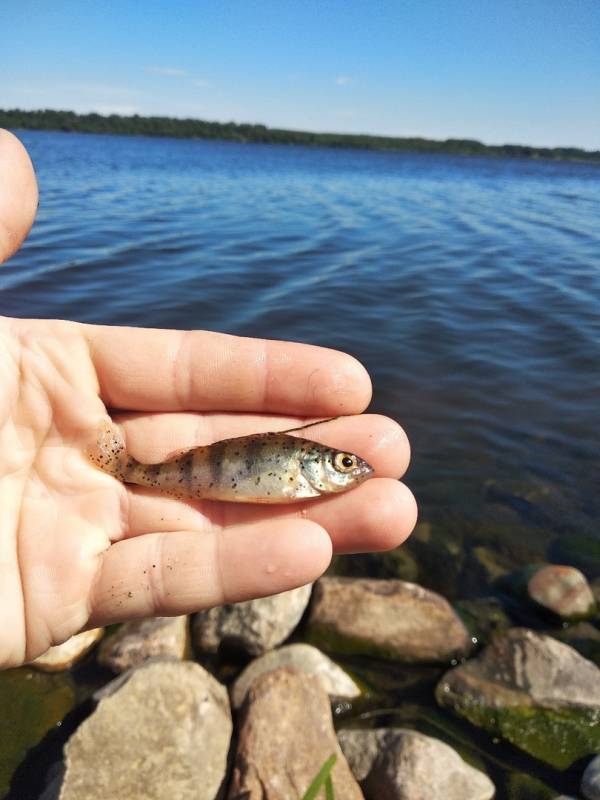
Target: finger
{"points": [[18, 194], [178, 573], [164, 370], [377, 439], [378, 515]]}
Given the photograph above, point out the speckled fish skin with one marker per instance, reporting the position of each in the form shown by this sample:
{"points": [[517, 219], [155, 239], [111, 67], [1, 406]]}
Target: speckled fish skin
{"points": [[261, 468]]}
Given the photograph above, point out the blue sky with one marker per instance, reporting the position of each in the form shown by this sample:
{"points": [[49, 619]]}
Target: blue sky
{"points": [[525, 71]]}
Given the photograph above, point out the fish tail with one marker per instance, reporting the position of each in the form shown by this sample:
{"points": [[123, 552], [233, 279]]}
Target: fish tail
{"points": [[109, 453]]}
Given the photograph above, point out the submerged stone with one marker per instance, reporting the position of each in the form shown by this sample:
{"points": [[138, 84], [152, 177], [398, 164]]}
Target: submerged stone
{"points": [[165, 734], [286, 734], [254, 626], [389, 619], [536, 692], [562, 590], [333, 679], [399, 764], [590, 782], [64, 656]]}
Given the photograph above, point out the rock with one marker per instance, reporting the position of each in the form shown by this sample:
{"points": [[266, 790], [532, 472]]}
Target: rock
{"points": [[254, 627], [286, 735], [590, 782], [385, 618], [397, 563], [562, 590], [64, 655], [138, 641], [164, 734], [536, 692], [402, 764], [303, 657]]}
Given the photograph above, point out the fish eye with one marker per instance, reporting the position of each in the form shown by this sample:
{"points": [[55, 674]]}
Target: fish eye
{"points": [[344, 462]]}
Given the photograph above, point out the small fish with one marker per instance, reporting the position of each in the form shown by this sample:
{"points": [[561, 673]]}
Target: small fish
{"points": [[260, 468]]}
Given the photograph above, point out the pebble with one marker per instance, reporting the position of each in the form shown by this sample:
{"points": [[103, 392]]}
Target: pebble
{"points": [[65, 655], [141, 640], [391, 619], [164, 734], [399, 764], [253, 627], [286, 735], [337, 683]]}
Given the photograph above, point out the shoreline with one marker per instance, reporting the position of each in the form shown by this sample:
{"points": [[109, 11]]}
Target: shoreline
{"points": [[171, 127]]}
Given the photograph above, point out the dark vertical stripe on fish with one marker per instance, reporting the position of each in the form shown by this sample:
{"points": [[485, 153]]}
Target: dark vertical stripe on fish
{"points": [[186, 469], [252, 450], [216, 460]]}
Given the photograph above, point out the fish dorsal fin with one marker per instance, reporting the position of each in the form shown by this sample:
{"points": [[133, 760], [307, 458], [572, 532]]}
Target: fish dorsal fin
{"points": [[309, 425]]}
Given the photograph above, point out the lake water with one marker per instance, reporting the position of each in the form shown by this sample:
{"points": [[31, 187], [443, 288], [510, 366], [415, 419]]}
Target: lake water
{"points": [[469, 287]]}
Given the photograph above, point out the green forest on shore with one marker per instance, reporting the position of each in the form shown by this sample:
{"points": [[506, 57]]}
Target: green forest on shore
{"points": [[69, 121]]}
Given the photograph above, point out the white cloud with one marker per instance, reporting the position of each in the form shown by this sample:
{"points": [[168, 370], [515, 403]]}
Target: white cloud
{"points": [[169, 72], [343, 80], [202, 83]]}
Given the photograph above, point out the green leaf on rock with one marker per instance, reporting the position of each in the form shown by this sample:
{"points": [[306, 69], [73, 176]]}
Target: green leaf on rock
{"points": [[322, 778]]}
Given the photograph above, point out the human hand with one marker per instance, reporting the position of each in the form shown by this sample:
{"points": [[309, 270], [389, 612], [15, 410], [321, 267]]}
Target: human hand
{"points": [[79, 549]]}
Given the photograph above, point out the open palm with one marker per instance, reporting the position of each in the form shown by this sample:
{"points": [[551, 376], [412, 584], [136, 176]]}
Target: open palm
{"points": [[79, 549]]}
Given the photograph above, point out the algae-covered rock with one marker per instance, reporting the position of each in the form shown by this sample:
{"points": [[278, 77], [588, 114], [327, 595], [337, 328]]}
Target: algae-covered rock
{"points": [[31, 703], [64, 656], [536, 692], [254, 626], [399, 764], [333, 679], [143, 639], [389, 619], [164, 734]]}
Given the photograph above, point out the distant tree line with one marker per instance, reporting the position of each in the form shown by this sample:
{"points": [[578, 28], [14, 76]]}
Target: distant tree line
{"points": [[51, 120]]}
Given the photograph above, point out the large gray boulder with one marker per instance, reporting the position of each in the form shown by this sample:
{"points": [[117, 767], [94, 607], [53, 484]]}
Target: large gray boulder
{"points": [[390, 619], [399, 764], [538, 693], [286, 735], [164, 734], [254, 627]]}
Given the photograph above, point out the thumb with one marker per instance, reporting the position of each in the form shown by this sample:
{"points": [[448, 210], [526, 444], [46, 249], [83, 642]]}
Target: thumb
{"points": [[18, 194]]}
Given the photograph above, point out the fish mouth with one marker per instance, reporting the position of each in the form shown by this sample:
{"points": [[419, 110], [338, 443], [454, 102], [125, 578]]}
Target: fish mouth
{"points": [[363, 471]]}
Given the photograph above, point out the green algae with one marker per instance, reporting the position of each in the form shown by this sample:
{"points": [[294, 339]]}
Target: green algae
{"points": [[520, 786], [327, 638], [483, 618], [32, 704], [557, 737]]}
